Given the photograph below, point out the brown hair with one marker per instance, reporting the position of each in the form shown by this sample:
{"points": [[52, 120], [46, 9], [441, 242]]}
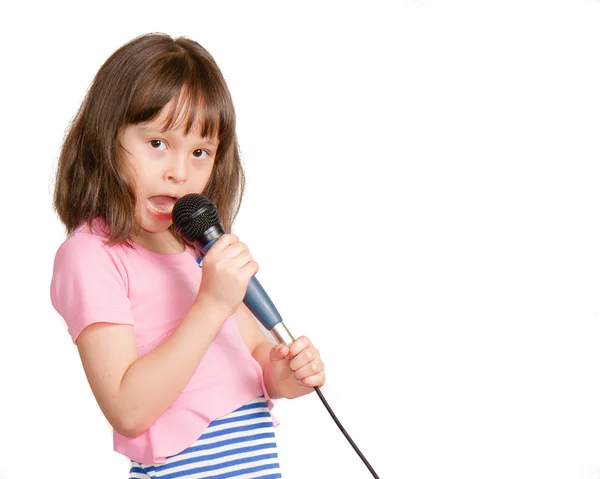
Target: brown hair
{"points": [[133, 86]]}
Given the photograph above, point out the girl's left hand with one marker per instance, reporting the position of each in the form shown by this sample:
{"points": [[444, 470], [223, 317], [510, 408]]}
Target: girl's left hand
{"points": [[300, 361]]}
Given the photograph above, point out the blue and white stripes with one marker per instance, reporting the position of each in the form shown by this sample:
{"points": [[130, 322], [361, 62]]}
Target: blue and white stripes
{"points": [[240, 445]]}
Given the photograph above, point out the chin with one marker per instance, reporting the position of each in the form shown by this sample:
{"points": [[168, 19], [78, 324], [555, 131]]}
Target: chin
{"points": [[155, 225]]}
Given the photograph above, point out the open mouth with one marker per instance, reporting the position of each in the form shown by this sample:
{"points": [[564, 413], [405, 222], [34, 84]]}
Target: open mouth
{"points": [[162, 205]]}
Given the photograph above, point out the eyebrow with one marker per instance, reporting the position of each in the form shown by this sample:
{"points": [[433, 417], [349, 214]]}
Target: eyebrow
{"points": [[159, 131]]}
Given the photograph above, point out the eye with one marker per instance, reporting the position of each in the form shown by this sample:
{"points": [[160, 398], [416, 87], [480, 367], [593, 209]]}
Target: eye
{"points": [[157, 144], [199, 153]]}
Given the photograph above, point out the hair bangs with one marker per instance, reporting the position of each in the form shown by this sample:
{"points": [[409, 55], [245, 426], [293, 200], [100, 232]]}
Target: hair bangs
{"points": [[195, 101], [191, 110]]}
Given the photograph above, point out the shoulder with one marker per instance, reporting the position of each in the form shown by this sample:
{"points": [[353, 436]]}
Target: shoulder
{"points": [[87, 244], [85, 257], [89, 278]]}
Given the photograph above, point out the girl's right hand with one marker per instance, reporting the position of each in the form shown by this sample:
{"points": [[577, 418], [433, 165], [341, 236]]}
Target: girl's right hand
{"points": [[226, 270]]}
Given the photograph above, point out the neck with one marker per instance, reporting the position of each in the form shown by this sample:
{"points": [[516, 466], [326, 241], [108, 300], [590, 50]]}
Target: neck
{"points": [[162, 243]]}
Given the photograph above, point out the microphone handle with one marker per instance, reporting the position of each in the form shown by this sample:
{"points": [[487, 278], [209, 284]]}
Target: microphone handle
{"points": [[260, 305], [258, 302]]}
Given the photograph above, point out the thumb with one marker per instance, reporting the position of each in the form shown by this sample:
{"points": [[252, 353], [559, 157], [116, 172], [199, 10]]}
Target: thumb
{"points": [[279, 352]]}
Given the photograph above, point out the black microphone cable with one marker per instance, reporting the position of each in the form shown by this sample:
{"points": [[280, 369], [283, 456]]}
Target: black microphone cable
{"points": [[197, 220], [339, 424]]}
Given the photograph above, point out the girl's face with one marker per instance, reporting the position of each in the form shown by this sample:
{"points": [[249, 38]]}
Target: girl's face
{"points": [[165, 166]]}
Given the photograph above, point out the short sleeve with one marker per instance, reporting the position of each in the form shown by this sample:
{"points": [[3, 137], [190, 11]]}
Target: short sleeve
{"points": [[89, 284]]}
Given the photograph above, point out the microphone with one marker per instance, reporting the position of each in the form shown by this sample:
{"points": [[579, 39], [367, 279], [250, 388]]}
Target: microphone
{"points": [[196, 219]]}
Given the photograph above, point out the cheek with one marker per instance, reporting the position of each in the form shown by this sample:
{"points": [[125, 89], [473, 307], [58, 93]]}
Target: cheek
{"points": [[201, 171], [134, 171], [145, 177]]}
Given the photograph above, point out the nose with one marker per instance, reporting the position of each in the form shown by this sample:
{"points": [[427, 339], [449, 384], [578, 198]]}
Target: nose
{"points": [[176, 171]]}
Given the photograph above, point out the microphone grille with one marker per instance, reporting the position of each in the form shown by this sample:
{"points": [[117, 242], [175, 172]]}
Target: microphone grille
{"points": [[193, 215]]}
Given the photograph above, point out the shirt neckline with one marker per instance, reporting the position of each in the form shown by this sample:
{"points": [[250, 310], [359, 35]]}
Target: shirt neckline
{"points": [[173, 258]]}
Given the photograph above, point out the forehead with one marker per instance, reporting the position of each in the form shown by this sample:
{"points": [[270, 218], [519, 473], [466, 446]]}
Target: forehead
{"points": [[184, 115]]}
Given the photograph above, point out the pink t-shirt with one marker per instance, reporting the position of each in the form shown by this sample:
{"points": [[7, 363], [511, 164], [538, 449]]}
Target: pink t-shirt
{"points": [[93, 282]]}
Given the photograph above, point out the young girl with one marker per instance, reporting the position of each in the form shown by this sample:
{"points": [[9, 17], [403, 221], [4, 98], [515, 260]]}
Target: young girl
{"points": [[178, 365]]}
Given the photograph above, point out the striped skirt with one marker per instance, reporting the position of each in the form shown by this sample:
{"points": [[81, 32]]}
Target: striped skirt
{"points": [[239, 445]]}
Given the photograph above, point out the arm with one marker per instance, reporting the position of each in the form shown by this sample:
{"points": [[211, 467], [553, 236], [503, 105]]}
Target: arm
{"points": [[133, 391], [125, 386], [288, 372]]}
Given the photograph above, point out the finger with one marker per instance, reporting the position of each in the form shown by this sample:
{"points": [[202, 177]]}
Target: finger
{"points": [[311, 369], [235, 249], [313, 381], [222, 243], [303, 358], [299, 345], [240, 260], [249, 269], [279, 352]]}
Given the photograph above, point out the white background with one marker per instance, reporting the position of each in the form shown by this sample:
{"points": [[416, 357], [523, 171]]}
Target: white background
{"points": [[423, 199]]}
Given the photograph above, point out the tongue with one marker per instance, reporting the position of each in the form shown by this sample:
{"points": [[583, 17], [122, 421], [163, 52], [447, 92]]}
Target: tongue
{"points": [[162, 203]]}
